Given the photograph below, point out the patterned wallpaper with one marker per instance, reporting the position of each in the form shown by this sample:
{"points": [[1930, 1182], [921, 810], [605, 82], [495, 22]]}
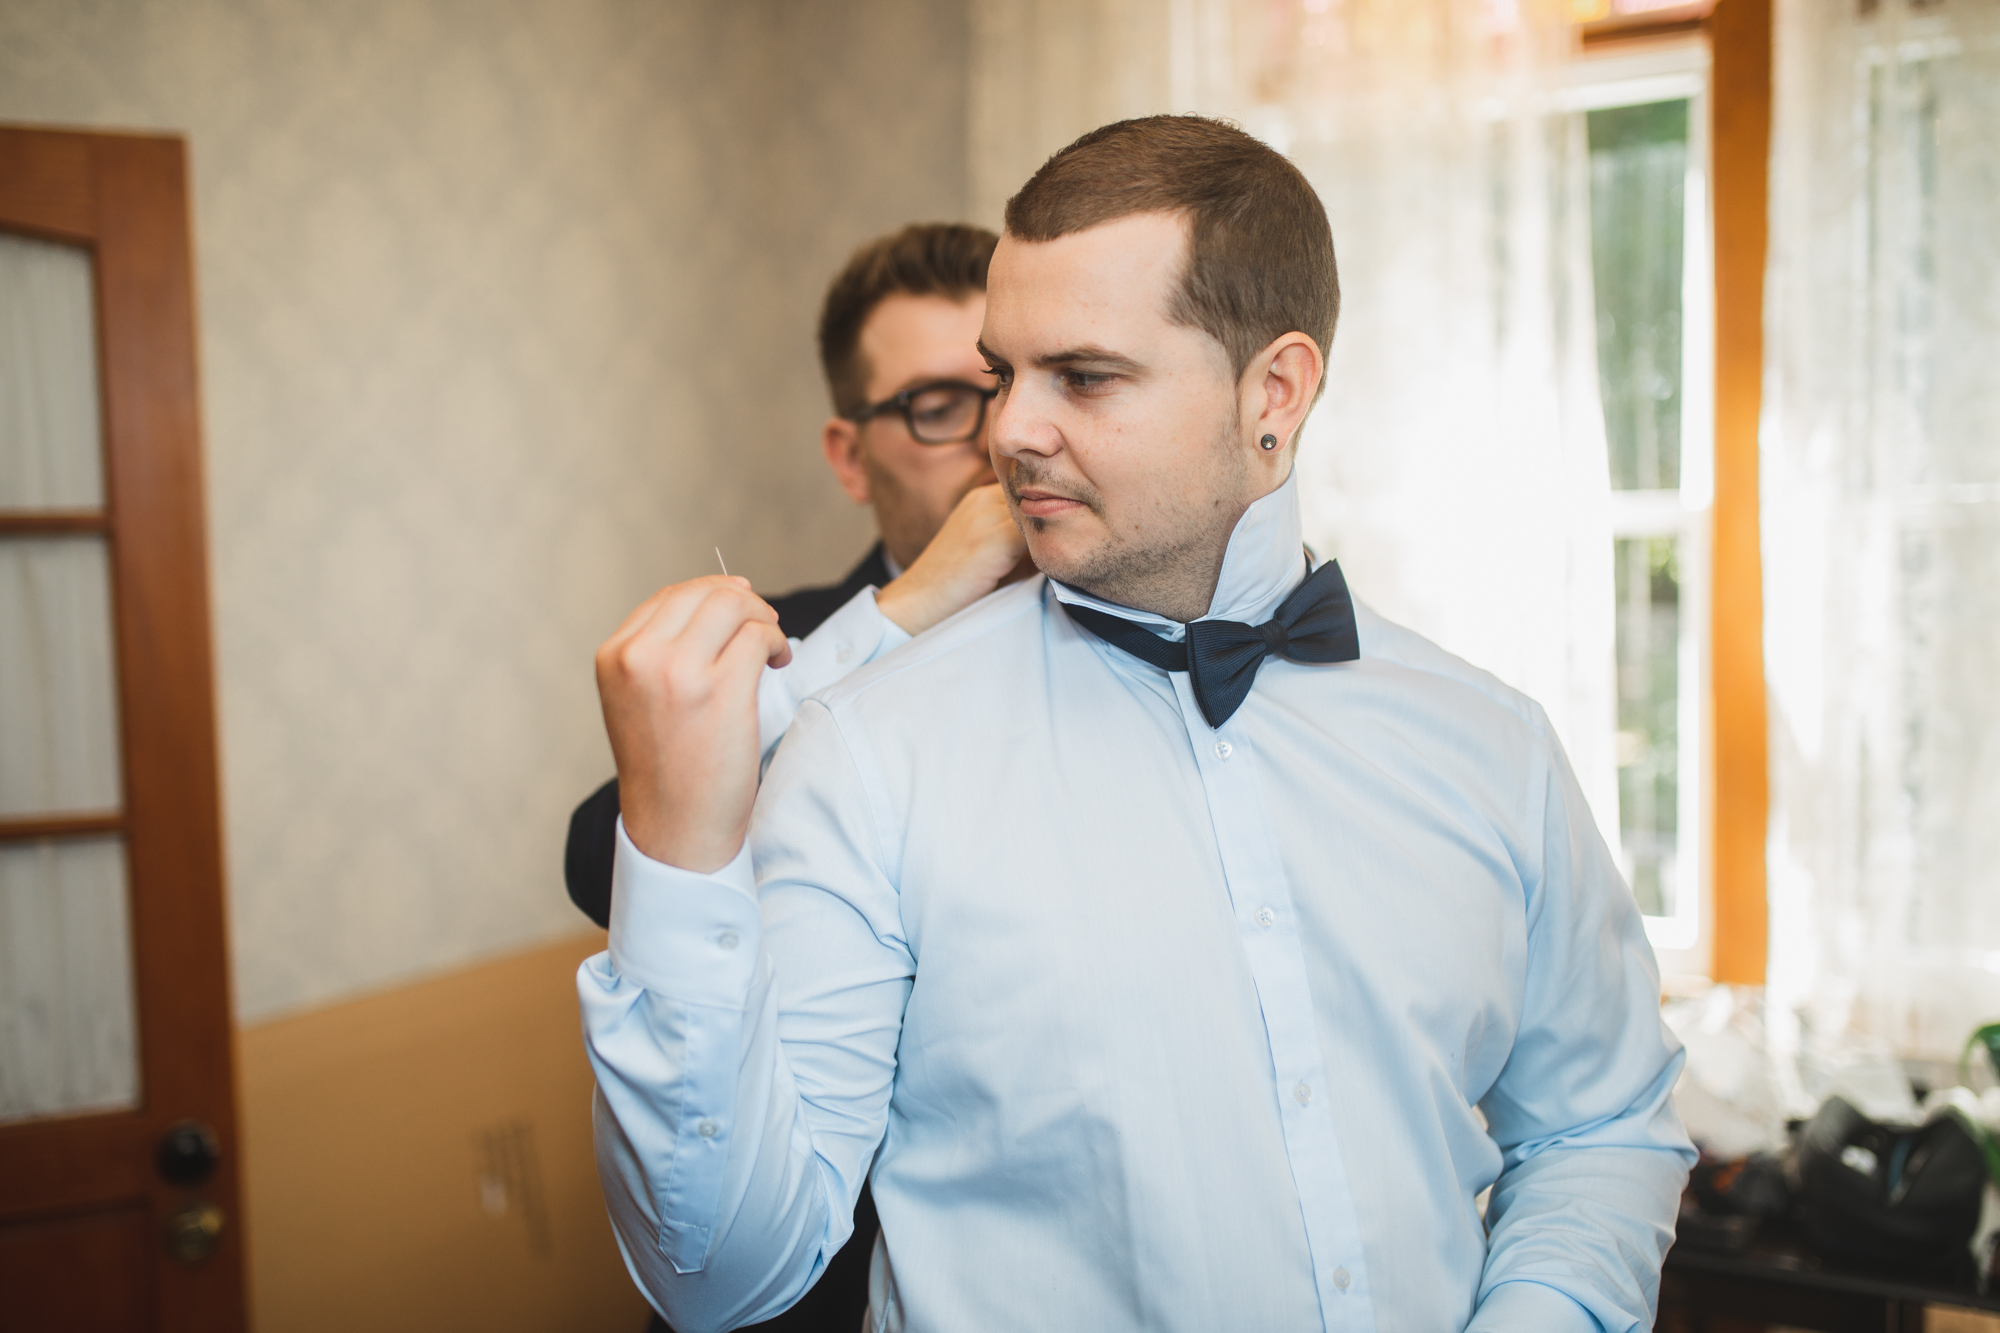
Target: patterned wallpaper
{"points": [[506, 319]]}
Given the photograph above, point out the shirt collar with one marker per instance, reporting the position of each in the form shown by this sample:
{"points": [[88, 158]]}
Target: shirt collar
{"points": [[1264, 561]]}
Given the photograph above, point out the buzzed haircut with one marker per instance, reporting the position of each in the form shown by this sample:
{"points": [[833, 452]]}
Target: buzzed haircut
{"points": [[1260, 252], [945, 259]]}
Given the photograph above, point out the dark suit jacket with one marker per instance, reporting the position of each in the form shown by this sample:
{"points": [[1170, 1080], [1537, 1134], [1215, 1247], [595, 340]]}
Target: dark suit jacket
{"points": [[838, 1302]]}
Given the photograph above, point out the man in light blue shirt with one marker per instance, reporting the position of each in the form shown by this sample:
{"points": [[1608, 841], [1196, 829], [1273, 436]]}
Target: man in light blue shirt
{"points": [[1177, 945]]}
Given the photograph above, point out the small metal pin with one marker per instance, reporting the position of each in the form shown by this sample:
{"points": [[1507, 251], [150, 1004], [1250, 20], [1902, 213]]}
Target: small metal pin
{"points": [[718, 560]]}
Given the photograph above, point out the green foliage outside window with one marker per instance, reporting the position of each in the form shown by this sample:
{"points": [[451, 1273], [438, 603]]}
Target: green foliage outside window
{"points": [[1638, 175], [1638, 172]]}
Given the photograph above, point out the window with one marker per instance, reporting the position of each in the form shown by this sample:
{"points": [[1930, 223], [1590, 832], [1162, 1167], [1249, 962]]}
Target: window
{"points": [[1644, 122]]}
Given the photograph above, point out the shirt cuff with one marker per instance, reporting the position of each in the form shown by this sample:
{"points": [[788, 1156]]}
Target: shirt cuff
{"points": [[683, 935], [849, 639], [1530, 1307]]}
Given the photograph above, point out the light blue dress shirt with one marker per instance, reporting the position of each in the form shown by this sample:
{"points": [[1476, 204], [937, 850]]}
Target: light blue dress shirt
{"points": [[1140, 1024], [845, 641]]}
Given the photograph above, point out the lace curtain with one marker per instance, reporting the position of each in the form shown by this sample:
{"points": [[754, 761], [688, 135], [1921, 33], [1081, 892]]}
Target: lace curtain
{"points": [[1881, 518], [1457, 462]]}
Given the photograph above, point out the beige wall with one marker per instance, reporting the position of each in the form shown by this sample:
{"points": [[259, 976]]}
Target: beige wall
{"points": [[505, 320]]}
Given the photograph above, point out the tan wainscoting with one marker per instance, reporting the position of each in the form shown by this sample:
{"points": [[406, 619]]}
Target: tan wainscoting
{"points": [[420, 1159]]}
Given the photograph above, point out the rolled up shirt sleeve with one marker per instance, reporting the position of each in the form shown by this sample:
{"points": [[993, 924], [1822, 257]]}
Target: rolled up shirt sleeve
{"points": [[1530, 1307], [1594, 1155]]}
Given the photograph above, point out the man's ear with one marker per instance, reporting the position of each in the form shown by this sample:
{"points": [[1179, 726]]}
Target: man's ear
{"points": [[1279, 386], [840, 441]]}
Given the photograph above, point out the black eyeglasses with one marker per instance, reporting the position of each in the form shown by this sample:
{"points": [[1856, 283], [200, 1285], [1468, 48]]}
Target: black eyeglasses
{"points": [[947, 412]]}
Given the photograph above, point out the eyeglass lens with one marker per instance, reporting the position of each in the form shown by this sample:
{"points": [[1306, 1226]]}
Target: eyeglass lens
{"points": [[946, 414]]}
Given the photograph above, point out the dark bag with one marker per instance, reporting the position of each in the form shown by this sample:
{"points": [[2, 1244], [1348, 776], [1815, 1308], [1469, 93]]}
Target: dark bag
{"points": [[1889, 1195]]}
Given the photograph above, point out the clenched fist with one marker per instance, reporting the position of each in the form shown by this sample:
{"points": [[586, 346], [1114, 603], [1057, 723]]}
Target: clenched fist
{"points": [[678, 682]]}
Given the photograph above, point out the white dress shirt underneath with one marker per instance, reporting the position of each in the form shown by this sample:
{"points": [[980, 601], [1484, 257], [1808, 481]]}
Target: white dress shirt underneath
{"points": [[1141, 1024]]}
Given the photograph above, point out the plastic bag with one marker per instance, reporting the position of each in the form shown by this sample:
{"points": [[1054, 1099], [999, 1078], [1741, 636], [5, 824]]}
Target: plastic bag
{"points": [[1728, 1096]]}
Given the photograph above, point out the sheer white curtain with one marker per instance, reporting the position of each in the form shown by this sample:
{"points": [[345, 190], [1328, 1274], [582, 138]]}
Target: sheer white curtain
{"points": [[1457, 463], [1881, 513]]}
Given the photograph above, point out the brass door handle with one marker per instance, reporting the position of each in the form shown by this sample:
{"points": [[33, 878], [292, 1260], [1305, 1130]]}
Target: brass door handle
{"points": [[194, 1232]]}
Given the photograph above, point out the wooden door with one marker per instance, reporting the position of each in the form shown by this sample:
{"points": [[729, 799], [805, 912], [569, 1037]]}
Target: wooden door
{"points": [[118, 1168]]}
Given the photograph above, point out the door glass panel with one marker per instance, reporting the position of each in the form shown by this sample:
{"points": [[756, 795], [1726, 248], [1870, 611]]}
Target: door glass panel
{"points": [[67, 1027], [58, 704], [49, 452]]}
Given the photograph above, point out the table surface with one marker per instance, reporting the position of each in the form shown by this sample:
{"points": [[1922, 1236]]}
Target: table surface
{"points": [[1780, 1254]]}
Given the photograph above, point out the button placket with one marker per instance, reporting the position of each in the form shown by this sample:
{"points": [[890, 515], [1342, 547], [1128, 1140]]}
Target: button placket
{"points": [[1257, 884]]}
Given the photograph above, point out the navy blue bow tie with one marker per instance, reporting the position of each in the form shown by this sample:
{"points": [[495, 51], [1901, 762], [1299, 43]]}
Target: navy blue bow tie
{"points": [[1221, 657]]}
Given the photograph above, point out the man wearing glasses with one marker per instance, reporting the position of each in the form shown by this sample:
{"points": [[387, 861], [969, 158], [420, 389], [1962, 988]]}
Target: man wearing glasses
{"points": [[898, 339]]}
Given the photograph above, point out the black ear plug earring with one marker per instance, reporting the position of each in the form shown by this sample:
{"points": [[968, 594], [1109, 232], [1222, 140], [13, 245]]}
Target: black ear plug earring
{"points": [[1269, 442]]}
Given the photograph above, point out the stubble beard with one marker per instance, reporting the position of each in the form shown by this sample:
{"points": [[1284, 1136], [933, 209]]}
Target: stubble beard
{"points": [[1170, 572]]}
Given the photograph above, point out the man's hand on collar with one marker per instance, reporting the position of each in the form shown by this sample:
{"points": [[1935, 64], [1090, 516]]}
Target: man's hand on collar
{"points": [[978, 549]]}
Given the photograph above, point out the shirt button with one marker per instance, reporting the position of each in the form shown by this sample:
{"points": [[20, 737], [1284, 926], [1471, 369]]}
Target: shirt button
{"points": [[708, 1129], [1303, 1094], [1223, 749], [1341, 1277], [727, 940], [1266, 917], [843, 654]]}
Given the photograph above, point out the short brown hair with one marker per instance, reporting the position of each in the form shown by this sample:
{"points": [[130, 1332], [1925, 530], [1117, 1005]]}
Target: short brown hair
{"points": [[923, 259], [1260, 253]]}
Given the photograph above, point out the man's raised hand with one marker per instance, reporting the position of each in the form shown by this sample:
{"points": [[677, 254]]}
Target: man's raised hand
{"points": [[678, 682], [978, 549]]}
